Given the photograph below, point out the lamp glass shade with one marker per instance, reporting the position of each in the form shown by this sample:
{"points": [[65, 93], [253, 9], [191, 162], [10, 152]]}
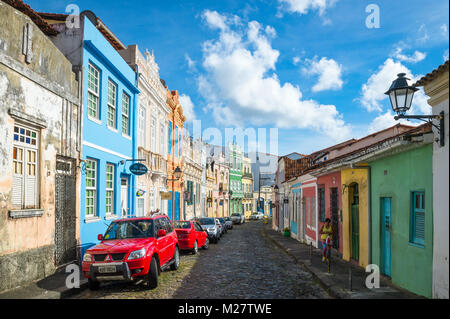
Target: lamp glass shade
{"points": [[177, 173]]}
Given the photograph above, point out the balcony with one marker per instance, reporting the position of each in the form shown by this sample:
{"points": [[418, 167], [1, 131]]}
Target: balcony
{"points": [[247, 175], [155, 163]]}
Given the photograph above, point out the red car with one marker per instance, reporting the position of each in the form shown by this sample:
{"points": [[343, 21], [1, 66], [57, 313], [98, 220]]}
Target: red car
{"points": [[132, 249], [191, 236]]}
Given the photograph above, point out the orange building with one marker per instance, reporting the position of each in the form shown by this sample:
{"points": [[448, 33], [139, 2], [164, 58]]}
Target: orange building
{"points": [[175, 156]]}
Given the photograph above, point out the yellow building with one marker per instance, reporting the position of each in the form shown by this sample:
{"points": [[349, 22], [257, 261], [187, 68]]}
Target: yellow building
{"points": [[247, 187], [355, 216]]}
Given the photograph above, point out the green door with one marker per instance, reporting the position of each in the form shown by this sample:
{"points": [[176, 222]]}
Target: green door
{"points": [[355, 223]]}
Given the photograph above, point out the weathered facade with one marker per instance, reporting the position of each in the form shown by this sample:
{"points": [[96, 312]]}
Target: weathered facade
{"points": [[247, 186], [235, 161], [39, 149], [221, 197]]}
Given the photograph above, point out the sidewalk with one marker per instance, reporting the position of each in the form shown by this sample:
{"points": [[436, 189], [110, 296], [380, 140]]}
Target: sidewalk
{"points": [[52, 287], [337, 282]]}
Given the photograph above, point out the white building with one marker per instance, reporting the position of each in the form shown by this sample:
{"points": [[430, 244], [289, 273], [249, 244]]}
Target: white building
{"points": [[436, 87], [152, 126]]}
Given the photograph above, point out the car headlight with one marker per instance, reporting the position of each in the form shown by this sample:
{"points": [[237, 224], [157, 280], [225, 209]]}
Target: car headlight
{"points": [[87, 257], [137, 254]]}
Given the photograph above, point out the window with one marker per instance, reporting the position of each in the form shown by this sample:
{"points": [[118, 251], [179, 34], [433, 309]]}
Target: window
{"points": [[112, 103], [93, 92], [417, 220], [322, 204], [141, 126], [110, 172], [91, 188], [152, 199], [153, 134], [162, 139], [125, 114], [25, 189]]}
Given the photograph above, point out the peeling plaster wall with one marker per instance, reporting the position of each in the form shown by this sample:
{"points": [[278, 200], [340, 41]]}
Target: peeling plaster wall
{"points": [[42, 94]]}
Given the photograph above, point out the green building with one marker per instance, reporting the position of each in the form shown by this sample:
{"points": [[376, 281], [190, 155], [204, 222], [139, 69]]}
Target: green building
{"points": [[402, 211], [235, 161]]}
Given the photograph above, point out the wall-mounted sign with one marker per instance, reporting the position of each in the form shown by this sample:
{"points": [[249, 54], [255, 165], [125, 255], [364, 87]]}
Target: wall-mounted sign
{"points": [[138, 169], [166, 195], [140, 193]]}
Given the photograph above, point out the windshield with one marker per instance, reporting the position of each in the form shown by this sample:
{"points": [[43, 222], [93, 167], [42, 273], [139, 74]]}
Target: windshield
{"points": [[227, 219], [222, 220], [235, 214], [181, 225], [207, 221], [129, 229]]}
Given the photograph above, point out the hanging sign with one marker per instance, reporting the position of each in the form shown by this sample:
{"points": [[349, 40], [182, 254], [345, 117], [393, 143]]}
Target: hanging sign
{"points": [[138, 169], [140, 193], [166, 195]]}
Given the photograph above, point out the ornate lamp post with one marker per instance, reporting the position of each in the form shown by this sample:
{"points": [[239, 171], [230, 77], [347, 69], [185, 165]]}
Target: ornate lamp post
{"points": [[401, 95]]}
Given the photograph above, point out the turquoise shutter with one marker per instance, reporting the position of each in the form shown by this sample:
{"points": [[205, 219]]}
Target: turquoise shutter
{"points": [[418, 218]]}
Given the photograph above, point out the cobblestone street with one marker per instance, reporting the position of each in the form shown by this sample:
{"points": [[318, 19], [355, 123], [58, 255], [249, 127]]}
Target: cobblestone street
{"points": [[244, 264]]}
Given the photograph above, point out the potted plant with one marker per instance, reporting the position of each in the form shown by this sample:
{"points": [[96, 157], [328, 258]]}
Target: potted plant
{"points": [[287, 232]]}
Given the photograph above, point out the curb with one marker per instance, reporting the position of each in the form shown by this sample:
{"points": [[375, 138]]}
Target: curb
{"points": [[332, 291]]}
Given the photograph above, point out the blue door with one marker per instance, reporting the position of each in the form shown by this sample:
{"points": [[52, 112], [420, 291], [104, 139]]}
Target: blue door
{"points": [[386, 236], [169, 206], [177, 205]]}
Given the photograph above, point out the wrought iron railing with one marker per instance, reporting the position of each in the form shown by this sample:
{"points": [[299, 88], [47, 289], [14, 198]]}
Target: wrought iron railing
{"points": [[155, 162]]}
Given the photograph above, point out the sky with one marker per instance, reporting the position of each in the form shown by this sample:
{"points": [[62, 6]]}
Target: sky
{"points": [[311, 68]]}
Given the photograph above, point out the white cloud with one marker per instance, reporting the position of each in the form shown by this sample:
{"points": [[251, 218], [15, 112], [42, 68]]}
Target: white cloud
{"points": [[422, 34], [188, 107], [373, 97], [385, 121], [329, 72], [416, 57], [304, 6], [241, 86], [445, 55], [191, 63], [444, 30], [296, 60]]}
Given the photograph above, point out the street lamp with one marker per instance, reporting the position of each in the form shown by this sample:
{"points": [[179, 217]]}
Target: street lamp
{"points": [[401, 95], [176, 174]]}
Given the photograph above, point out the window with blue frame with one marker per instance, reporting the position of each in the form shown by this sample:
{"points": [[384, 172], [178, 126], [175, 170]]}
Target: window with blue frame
{"points": [[176, 142], [417, 220]]}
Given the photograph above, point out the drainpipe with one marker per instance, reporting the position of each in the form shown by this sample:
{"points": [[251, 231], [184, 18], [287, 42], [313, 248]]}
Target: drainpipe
{"points": [[134, 141], [369, 204]]}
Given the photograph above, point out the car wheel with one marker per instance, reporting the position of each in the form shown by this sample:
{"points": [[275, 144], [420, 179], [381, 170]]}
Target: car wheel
{"points": [[153, 274], [206, 245], [176, 257], [195, 250], [93, 285]]}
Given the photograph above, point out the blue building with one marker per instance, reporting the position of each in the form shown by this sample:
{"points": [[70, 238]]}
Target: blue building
{"points": [[109, 97]]}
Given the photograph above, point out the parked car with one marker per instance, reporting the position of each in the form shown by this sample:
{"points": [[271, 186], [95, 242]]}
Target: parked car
{"points": [[191, 236], [224, 227], [253, 216], [211, 227], [221, 228], [133, 249], [228, 223], [259, 215], [237, 218]]}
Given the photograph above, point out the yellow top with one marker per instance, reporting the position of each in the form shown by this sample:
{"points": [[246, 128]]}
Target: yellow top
{"points": [[327, 231]]}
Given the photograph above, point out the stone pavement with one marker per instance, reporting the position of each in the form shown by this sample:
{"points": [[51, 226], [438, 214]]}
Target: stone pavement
{"points": [[52, 287], [337, 282]]}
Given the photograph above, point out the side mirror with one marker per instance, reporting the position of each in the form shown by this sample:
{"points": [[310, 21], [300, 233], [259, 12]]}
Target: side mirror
{"points": [[161, 233], [100, 237]]}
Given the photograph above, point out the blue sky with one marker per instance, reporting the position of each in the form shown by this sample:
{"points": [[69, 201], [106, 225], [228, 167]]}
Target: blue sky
{"points": [[312, 68]]}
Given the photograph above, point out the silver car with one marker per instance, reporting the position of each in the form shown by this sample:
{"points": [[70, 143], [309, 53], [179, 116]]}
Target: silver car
{"points": [[228, 222], [237, 218], [211, 227]]}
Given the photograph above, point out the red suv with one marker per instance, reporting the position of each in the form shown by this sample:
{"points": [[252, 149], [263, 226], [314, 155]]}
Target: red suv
{"points": [[132, 249], [191, 236]]}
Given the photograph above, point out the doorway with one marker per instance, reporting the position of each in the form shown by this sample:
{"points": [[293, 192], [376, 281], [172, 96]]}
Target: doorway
{"points": [[386, 236], [355, 221], [335, 216], [124, 196]]}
